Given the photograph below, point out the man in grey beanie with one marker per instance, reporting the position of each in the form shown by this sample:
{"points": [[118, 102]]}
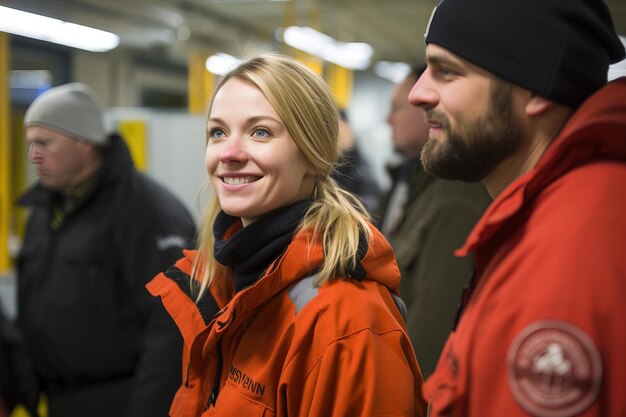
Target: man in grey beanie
{"points": [[72, 109], [71, 114], [98, 232], [516, 96]]}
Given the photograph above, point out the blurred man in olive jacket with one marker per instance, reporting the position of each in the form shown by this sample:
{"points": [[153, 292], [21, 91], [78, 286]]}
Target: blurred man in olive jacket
{"points": [[425, 219]]}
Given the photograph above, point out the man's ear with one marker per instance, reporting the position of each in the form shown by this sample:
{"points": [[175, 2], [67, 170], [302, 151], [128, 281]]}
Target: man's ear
{"points": [[537, 105]]}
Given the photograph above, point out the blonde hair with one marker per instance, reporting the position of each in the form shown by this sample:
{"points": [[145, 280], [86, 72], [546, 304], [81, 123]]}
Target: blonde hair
{"points": [[306, 106]]}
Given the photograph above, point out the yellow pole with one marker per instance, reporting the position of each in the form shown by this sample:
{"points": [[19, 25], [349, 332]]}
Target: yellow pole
{"points": [[19, 161], [290, 19], [5, 151], [340, 80], [135, 134], [199, 83], [313, 62]]}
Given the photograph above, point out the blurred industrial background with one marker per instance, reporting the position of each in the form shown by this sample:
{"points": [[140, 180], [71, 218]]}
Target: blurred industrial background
{"points": [[152, 71]]}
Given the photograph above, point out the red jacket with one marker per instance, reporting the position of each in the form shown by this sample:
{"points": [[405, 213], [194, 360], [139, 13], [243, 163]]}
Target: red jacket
{"points": [[288, 348], [543, 330]]}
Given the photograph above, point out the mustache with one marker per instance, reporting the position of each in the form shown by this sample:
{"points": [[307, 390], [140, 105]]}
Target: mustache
{"points": [[433, 116]]}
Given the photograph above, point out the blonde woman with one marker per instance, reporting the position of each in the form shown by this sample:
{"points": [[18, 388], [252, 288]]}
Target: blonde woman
{"points": [[287, 307]]}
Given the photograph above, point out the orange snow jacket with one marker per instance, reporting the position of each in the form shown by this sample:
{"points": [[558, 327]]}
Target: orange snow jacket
{"points": [[285, 347], [542, 332]]}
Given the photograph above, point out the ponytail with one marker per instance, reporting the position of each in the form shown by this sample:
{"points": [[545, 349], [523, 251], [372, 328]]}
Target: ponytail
{"points": [[339, 221]]}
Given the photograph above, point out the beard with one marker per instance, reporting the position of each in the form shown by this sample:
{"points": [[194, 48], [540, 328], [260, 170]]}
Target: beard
{"points": [[471, 151]]}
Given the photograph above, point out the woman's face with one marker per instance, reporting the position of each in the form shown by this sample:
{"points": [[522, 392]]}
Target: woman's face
{"points": [[253, 163]]}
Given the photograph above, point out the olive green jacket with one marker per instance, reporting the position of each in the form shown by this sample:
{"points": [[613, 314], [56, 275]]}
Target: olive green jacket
{"points": [[437, 218]]}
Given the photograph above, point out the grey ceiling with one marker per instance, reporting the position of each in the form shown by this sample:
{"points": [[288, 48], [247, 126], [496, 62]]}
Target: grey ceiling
{"points": [[393, 27]]}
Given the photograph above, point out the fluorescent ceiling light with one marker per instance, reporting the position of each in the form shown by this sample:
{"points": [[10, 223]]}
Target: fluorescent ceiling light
{"points": [[56, 31], [395, 72], [352, 55], [220, 63]]}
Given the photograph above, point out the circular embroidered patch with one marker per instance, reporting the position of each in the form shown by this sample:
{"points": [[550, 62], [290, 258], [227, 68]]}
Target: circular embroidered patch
{"points": [[555, 369]]}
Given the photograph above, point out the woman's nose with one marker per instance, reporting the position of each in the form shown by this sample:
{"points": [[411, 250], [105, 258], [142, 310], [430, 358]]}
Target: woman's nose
{"points": [[233, 150]]}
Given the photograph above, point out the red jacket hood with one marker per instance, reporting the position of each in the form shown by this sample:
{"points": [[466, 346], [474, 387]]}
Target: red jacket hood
{"points": [[596, 131]]}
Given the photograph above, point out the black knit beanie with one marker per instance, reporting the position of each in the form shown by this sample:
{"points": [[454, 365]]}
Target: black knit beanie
{"points": [[558, 49]]}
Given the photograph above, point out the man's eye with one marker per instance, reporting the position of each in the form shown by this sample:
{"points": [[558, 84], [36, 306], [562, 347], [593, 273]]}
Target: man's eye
{"points": [[445, 72]]}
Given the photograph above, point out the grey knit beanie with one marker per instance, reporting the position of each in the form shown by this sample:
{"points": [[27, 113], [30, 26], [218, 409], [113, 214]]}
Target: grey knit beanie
{"points": [[72, 109], [558, 49]]}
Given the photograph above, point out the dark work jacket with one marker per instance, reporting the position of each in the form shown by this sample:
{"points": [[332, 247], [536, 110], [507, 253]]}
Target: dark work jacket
{"points": [[86, 316], [7, 374], [17, 384]]}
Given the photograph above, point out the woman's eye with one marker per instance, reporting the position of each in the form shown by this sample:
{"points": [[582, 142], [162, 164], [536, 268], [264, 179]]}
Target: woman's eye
{"points": [[216, 133], [261, 133]]}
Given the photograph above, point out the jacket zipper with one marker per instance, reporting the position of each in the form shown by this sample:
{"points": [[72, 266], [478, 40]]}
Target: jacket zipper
{"points": [[218, 376]]}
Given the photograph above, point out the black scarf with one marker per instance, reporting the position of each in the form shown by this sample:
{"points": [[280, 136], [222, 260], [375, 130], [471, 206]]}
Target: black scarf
{"points": [[251, 250]]}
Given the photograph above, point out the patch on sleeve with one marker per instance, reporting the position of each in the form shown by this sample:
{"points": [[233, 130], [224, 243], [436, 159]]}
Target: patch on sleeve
{"points": [[555, 369]]}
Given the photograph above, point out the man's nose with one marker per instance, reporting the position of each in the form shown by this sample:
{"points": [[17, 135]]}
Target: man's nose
{"points": [[423, 94]]}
